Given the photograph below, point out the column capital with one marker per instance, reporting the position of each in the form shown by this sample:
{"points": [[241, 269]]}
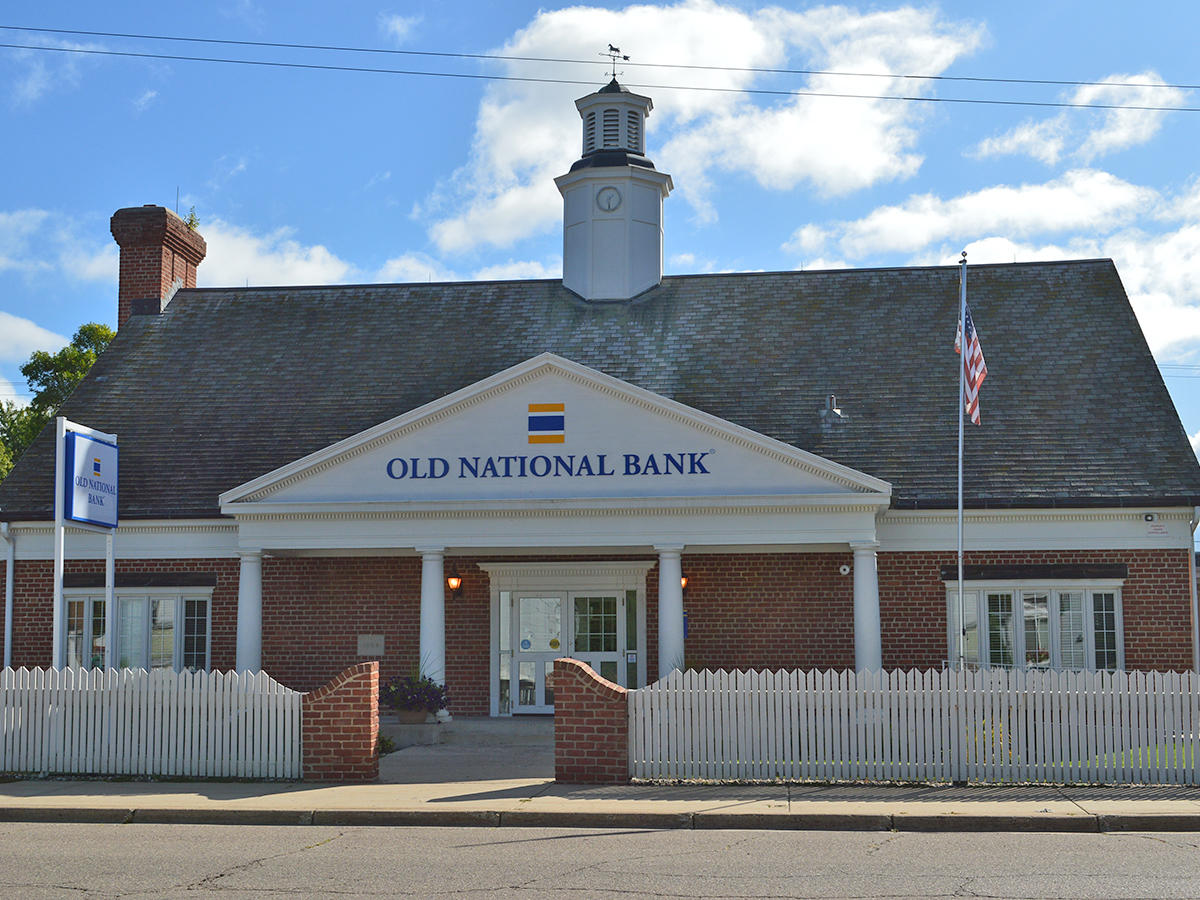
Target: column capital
{"points": [[250, 554], [864, 546], [430, 550], [662, 549]]}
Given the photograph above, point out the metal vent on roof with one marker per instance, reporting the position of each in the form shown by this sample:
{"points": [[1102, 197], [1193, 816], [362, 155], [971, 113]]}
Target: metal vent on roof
{"points": [[612, 128]]}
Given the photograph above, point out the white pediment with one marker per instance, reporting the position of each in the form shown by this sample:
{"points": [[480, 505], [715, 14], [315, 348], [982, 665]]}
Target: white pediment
{"points": [[551, 429]]}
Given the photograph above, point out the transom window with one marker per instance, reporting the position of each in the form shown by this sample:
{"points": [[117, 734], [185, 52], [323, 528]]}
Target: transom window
{"points": [[156, 629], [1035, 626]]}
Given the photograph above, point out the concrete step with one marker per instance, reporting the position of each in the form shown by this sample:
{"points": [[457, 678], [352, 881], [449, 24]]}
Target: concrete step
{"points": [[472, 731]]}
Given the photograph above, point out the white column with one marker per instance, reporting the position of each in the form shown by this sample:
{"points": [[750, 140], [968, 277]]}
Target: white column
{"points": [[670, 609], [433, 615], [249, 612], [868, 652]]}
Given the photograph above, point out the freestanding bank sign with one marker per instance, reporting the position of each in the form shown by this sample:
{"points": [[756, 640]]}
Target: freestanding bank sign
{"points": [[85, 498]]}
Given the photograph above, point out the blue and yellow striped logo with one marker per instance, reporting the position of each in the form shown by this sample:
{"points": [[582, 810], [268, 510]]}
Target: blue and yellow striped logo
{"points": [[547, 423]]}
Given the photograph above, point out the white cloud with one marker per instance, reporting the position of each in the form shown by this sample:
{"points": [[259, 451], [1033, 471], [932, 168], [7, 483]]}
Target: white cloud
{"points": [[1195, 439], [1043, 141], [19, 337], [144, 101], [398, 28], [237, 256], [516, 269], [8, 393], [414, 267], [38, 241], [1084, 198], [48, 70], [506, 193], [17, 229], [1092, 133]]}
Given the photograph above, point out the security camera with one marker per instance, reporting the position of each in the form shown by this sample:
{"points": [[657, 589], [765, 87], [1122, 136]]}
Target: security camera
{"points": [[844, 569]]}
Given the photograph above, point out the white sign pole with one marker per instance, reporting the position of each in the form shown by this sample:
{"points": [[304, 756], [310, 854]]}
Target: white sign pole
{"points": [[105, 462], [110, 606], [60, 442]]}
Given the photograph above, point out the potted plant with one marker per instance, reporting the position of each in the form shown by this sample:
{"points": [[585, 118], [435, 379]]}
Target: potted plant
{"points": [[413, 697]]}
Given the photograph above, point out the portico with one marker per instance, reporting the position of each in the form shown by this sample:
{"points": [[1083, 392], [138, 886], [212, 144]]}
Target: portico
{"points": [[615, 476]]}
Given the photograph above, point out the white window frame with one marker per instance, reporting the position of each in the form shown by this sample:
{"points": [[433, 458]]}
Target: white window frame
{"points": [[179, 596], [977, 592]]}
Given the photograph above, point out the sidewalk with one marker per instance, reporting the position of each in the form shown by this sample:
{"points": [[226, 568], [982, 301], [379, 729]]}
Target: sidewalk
{"points": [[512, 785]]}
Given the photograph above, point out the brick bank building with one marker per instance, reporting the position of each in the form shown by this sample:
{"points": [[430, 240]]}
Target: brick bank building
{"points": [[474, 479]]}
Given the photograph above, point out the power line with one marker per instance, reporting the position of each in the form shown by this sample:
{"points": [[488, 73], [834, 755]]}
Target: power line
{"points": [[551, 59], [588, 83]]}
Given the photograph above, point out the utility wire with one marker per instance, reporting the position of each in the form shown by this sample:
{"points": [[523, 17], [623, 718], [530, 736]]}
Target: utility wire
{"points": [[552, 59], [589, 83]]}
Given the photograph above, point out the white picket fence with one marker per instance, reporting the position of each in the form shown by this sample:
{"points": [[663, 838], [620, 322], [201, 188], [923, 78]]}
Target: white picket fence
{"points": [[134, 722], [992, 726]]}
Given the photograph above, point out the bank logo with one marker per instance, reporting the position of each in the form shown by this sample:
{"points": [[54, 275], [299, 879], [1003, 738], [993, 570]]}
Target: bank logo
{"points": [[95, 465], [547, 423]]}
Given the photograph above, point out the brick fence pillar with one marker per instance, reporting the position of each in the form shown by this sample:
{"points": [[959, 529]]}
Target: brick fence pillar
{"points": [[341, 727], [591, 726]]}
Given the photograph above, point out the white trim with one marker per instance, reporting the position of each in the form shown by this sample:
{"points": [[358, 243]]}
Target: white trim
{"points": [[140, 539], [1037, 529]]}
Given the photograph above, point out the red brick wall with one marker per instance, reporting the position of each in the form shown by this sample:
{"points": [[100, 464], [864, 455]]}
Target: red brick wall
{"points": [[767, 610], [1155, 598], [591, 726], [341, 727]]}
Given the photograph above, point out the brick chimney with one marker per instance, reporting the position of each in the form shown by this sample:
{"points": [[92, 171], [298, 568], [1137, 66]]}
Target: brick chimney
{"points": [[159, 255]]}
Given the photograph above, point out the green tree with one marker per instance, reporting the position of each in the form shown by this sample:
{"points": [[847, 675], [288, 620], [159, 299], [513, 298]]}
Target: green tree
{"points": [[52, 376]]}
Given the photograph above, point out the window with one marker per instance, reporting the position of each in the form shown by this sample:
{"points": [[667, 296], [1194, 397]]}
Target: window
{"points": [[1036, 626], [156, 629]]}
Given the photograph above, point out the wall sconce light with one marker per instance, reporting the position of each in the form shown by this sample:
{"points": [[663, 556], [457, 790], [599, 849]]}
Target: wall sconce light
{"points": [[683, 580], [454, 581]]}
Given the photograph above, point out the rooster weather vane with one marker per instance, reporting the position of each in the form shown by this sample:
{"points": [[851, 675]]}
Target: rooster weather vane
{"points": [[614, 53]]}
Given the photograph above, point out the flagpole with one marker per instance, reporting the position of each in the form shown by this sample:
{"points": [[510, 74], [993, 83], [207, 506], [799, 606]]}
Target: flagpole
{"points": [[962, 367]]}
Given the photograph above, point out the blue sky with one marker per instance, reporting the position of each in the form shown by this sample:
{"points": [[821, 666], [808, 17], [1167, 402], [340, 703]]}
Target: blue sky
{"points": [[314, 176]]}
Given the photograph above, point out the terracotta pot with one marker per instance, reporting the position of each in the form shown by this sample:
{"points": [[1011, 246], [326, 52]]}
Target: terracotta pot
{"points": [[411, 716]]}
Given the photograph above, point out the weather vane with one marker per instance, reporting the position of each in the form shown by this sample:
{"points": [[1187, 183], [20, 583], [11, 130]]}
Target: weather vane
{"points": [[614, 53]]}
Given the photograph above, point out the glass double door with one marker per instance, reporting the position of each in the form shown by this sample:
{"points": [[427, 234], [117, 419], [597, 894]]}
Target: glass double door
{"points": [[595, 627]]}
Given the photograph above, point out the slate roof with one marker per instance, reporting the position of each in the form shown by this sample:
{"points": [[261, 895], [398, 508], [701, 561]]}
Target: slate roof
{"points": [[228, 384]]}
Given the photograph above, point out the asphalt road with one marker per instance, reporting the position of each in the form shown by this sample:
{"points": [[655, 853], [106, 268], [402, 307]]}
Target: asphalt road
{"points": [[82, 861]]}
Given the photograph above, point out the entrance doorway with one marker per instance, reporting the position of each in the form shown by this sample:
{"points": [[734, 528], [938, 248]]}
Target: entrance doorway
{"points": [[595, 614]]}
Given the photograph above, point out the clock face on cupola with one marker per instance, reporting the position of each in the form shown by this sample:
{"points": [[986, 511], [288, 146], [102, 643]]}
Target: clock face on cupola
{"points": [[612, 201]]}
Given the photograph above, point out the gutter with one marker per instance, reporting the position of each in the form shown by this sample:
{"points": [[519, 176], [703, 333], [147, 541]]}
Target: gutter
{"points": [[11, 540]]}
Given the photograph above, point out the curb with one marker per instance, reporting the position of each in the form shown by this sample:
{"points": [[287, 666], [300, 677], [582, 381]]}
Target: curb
{"points": [[1079, 824]]}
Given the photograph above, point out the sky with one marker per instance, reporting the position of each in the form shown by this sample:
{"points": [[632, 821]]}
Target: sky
{"points": [[317, 175]]}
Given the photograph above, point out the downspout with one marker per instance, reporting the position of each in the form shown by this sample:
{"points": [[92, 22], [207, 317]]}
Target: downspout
{"points": [[1194, 609], [10, 539]]}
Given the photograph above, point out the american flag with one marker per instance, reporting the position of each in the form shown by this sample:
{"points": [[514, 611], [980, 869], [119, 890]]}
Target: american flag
{"points": [[974, 368]]}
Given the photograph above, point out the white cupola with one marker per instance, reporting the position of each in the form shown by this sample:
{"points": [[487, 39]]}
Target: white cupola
{"points": [[612, 201]]}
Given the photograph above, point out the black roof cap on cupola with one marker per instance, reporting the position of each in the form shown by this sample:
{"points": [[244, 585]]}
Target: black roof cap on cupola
{"points": [[613, 87], [599, 159]]}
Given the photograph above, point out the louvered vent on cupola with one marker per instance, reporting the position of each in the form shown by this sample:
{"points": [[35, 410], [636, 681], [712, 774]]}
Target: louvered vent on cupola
{"points": [[589, 133], [612, 128], [633, 124]]}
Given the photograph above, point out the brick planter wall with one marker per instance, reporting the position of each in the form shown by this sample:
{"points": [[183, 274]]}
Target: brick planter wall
{"points": [[341, 727], [591, 726]]}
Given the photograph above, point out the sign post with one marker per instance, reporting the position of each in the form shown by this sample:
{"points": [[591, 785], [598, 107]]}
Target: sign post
{"points": [[85, 498]]}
